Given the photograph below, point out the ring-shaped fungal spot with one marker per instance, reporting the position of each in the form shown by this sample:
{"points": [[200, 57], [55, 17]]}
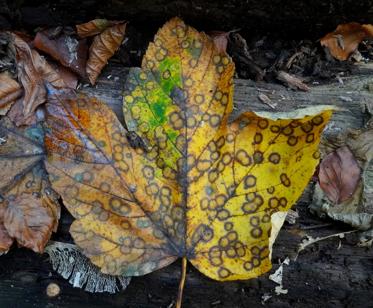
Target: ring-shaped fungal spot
{"points": [[258, 138], [310, 138], [287, 130], [258, 157], [274, 158], [292, 140], [285, 180], [243, 158], [250, 181], [263, 123], [317, 120]]}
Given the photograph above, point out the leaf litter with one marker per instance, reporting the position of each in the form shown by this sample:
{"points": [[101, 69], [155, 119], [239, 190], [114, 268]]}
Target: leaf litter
{"points": [[29, 207], [163, 161], [145, 209], [345, 192]]}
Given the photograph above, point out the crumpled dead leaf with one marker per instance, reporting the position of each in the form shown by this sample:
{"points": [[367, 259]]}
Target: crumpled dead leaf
{"points": [[103, 48], [95, 27], [357, 210], [10, 90], [33, 71], [339, 175], [344, 40], [29, 208], [66, 49], [5, 240], [220, 39]]}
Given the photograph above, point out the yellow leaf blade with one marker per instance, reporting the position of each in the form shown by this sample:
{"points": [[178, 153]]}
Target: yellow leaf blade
{"points": [[263, 167]]}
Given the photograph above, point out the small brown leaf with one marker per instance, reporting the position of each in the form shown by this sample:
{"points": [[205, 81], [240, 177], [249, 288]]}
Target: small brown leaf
{"points": [[346, 38], [220, 39], [339, 175], [103, 48], [67, 50], [28, 220], [69, 78], [95, 27], [29, 208], [10, 90], [33, 71], [5, 240]]}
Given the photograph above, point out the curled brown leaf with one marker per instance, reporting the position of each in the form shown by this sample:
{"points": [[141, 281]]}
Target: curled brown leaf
{"points": [[10, 90], [66, 49], [344, 40], [28, 220], [33, 71], [103, 48], [5, 240], [94, 27], [220, 39], [339, 175]]}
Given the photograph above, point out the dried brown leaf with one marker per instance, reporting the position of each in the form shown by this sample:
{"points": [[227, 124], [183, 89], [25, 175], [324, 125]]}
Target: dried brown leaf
{"points": [[339, 175], [28, 220], [103, 48], [67, 50], [220, 39], [10, 90], [29, 208], [95, 27], [69, 78], [344, 40], [33, 71], [5, 240]]}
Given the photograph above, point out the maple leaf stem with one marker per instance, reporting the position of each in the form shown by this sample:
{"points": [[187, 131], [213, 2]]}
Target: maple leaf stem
{"points": [[182, 283]]}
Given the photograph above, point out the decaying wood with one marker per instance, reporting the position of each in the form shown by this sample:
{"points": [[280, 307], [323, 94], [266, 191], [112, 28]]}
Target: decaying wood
{"points": [[350, 114], [331, 273]]}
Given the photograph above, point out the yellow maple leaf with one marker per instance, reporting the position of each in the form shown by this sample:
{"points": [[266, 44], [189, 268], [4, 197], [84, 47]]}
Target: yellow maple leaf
{"points": [[200, 188]]}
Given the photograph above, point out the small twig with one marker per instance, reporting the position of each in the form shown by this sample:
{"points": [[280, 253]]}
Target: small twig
{"points": [[266, 100], [292, 81], [292, 59], [311, 240], [315, 226]]}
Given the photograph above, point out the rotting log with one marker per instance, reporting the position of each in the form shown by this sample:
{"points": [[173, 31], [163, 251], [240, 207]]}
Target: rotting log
{"points": [[287, 18], [331, 273], [351, 98]]}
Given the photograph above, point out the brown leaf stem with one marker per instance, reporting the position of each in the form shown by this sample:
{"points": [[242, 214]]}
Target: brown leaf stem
{"points": [[182, 283]]}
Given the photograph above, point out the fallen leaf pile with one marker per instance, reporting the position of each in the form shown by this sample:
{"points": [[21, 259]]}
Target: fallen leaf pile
{"points": [[67, 57], [344, 40], [181, 182], [33, 72], [29, 208], [200, 188]]}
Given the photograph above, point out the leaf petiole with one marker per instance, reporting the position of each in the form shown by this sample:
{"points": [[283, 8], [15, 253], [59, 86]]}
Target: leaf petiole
{"points": [[182, 283]]}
